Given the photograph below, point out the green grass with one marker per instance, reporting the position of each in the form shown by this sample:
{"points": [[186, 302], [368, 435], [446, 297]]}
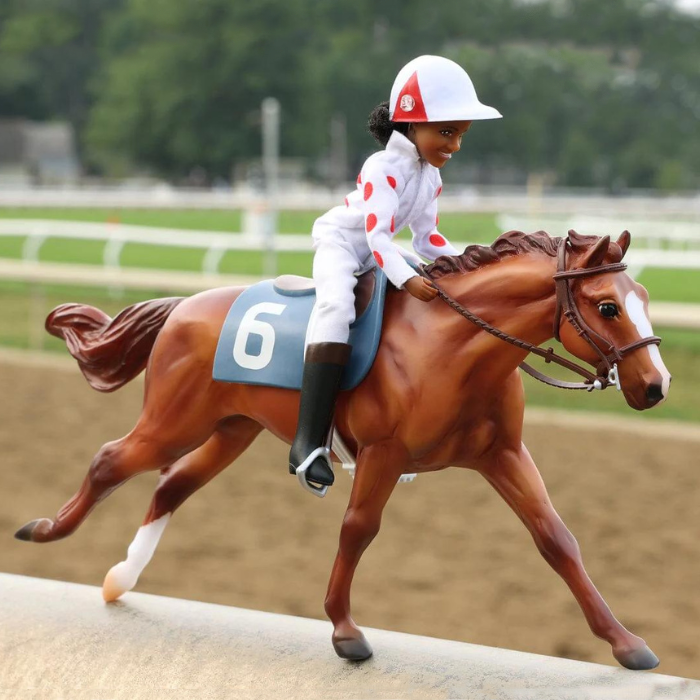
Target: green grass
{"points": [[474, 228], [24, 307], [242, 262], [680, 350], [84, 252], [672, 285], [11, 246], [297, 221], [203, 219]]}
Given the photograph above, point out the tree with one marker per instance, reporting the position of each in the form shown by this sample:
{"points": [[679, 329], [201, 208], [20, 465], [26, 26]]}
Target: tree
{"points": [[594, 91], [48, 54], [185, 79]]}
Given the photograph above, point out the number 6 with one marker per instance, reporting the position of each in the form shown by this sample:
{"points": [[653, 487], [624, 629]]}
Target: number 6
{"points": [[251, 325]]}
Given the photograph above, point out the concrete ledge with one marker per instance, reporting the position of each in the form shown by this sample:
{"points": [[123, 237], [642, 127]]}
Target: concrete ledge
{"points": [[60, 640]]}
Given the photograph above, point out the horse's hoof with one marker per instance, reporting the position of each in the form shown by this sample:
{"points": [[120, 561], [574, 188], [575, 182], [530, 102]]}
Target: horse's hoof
{"points": [[119, 580], [35, 531], [353, 649], [642, 659]]}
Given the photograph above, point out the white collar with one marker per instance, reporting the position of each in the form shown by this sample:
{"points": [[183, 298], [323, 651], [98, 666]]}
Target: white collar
{"points": [[398, 143]]}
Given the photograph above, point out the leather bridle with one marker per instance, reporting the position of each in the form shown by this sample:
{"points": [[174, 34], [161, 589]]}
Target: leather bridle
{"points": [[565, 305]]}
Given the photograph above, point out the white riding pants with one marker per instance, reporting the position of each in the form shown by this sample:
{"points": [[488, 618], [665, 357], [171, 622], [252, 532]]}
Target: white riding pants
{"points": [[334, 268]]}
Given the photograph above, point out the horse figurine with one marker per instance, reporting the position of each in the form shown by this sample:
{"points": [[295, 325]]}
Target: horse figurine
{"points": [[441, 392]]}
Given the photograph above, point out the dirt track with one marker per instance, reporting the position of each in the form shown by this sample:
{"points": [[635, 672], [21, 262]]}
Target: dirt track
{"points": [[451, 561]]}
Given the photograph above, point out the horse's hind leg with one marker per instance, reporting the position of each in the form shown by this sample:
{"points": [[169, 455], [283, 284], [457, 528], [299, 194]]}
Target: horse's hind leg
{"points": [[514, 475], [150, 445], [378, 470], [115, 463], [180, 413], [177, 483]]}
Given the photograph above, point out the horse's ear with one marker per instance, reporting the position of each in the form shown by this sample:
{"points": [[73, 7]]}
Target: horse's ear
{"points": [[578, 241], [596, 255], [624, 242]]}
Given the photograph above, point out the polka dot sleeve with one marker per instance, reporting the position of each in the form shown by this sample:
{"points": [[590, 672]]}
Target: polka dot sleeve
{"points": [[427, 240], [380, 204]]}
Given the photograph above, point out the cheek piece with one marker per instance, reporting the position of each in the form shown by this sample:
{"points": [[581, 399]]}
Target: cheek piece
{"points": [[566, 305]]}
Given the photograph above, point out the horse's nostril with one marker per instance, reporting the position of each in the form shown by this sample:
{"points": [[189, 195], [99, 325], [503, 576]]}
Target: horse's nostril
{"points": [[655, 393]]}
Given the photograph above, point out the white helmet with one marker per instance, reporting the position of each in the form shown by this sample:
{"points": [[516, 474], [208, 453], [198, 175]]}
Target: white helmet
{"points": [[435, 89]]}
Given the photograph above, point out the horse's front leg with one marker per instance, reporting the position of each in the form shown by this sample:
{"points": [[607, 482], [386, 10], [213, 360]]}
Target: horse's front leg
{"points": [[514, 475], [378, 469]]}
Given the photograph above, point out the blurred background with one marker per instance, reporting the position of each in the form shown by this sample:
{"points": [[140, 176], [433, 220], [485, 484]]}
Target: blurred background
{"points": [[154, 148]]}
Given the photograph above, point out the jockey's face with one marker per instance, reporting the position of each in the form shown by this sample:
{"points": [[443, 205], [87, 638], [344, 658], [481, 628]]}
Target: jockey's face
{"points": [[437, 141]]}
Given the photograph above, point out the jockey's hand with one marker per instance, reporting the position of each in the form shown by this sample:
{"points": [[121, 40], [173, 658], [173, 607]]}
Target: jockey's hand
{"points": [[421, 288]]}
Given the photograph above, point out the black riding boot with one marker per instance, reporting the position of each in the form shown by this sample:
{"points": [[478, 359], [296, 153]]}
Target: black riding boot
{"points": [[323, 367]]}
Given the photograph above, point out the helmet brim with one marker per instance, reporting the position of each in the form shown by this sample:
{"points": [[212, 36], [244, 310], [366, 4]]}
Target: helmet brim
{"points": [[478, 112]]}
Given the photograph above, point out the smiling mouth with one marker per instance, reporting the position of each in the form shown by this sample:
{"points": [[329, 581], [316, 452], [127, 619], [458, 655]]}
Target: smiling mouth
{"points": [[446, 156]]}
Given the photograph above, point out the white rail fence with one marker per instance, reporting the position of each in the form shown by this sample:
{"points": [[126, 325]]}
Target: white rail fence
{"points": [[117, 236], [670, 245], [655, 243], [60, 641]]}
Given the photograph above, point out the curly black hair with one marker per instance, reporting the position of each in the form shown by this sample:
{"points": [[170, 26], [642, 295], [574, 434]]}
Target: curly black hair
{"points": [[380, 126]]}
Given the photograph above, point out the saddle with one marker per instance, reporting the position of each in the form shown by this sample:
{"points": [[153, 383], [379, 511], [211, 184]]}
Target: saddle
{"points": [[263, 337]]}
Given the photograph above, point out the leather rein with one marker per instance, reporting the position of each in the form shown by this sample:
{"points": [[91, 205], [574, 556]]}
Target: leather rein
{"points": [[565, 305]]}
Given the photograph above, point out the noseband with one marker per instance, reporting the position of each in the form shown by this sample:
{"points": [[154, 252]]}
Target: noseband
{"points": [[566, 306]]}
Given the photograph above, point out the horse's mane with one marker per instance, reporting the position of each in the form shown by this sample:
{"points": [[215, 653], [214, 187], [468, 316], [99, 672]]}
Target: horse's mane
{"points": [[507, 244], [515, 243]]}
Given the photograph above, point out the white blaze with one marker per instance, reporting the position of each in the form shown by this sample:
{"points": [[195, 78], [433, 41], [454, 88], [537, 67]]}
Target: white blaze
{"points": [[635, 310]]}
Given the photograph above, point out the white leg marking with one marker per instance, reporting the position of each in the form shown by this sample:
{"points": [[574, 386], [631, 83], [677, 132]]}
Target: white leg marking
{"points": [[123, 576], [635, 310]]}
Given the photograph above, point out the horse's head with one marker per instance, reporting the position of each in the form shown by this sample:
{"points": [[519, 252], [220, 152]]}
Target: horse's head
{"points": [[616, 308]]}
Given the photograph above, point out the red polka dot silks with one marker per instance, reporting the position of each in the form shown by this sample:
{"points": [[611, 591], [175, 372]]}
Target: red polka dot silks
{"points": [[389, 186]]}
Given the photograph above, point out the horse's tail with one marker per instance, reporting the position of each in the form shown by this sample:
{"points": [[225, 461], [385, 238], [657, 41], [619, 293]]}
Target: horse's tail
{"points": [[110, 352]]}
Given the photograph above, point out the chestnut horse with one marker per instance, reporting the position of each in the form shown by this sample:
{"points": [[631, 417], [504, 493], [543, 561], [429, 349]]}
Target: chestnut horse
{"points": [[441, 393]]}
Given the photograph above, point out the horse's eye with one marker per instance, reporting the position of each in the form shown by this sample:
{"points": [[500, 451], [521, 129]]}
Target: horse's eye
{"points": [[608, 310]]}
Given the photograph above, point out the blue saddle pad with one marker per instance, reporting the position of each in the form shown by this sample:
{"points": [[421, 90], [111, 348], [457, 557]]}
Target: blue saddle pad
{"points": [[262, 339]]}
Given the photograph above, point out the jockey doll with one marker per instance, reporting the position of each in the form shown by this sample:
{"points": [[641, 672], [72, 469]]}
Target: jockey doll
{"points": [[433, 103]]}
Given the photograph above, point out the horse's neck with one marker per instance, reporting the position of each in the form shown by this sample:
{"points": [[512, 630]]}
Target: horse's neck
{"points": [[515, 295]]}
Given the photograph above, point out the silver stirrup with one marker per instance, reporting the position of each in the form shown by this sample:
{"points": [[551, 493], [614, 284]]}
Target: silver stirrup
{"points": [[319, 491]]}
